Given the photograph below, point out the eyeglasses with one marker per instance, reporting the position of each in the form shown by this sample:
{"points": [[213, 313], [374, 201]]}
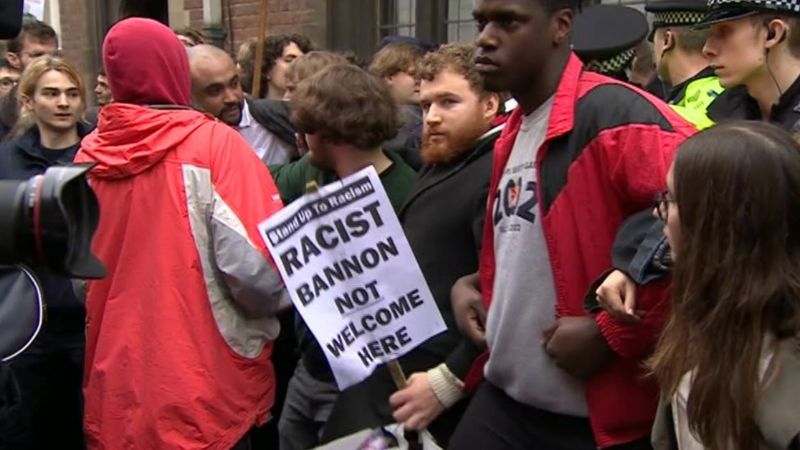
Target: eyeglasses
{"points": [[662, 201]]}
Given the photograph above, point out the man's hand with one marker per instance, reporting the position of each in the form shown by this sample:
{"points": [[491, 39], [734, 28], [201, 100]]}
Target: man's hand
{"points": [[468, 309], [577, 346], [617, 295], [416, 406]]}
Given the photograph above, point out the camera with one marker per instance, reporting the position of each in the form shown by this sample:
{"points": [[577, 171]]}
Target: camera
{"points": [[48, 222]]}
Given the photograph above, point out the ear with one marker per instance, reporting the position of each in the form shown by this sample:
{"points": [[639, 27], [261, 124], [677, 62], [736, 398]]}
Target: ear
{"points": [[27, 102], [491, 105], [388, 79], [561, 21], [13, 59], [777, 31], [669, 40]]}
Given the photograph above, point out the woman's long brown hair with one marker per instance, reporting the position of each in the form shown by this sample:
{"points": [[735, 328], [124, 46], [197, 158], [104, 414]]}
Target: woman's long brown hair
{"points": [[736, 277]]}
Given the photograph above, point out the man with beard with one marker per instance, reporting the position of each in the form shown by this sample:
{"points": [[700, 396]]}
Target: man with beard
{"points": [[443, 221], [579, 161], [216, 90], [343, 114]]}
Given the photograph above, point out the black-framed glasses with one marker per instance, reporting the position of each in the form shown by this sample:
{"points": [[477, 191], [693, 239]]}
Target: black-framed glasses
{"points": [[662, 201]]}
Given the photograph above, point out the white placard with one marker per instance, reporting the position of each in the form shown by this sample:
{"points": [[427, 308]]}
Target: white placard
{"points": [[34, 8], [352, 276]]}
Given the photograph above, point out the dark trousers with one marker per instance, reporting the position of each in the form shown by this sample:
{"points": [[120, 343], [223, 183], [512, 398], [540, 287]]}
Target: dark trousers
{"points": [[495, 420], [49, 414], [284, 360]]}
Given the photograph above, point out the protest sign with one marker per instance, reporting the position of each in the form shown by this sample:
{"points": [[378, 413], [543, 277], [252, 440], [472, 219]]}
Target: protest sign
{"points": [[352, 276]]}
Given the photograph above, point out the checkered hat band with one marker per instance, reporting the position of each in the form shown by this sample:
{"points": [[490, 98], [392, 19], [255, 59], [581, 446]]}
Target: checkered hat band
{"points": [[678, 18], [612, 65], [771, 5]]}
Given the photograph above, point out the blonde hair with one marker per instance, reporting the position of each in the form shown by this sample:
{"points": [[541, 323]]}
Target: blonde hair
{"points": [[30, 79]]}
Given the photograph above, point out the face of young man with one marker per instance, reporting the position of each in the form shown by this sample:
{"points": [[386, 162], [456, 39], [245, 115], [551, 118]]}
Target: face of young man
{"points": [[102, 91], [405, 89], [216, 89], [736, 50], [56, 102], [31, 49], [8, 79], [515, 40], [454, 116], [277, 76]]}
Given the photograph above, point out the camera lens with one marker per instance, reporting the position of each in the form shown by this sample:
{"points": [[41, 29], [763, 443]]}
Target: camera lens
{"points": [[49, 222], [12, 223]]}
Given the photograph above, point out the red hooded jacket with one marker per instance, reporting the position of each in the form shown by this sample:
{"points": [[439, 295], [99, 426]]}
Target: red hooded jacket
{"points": [[179, 334]]}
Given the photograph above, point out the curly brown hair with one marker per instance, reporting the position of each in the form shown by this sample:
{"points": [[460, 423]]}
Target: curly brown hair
{"points": [[273, 49], [347, 105], [459, 58]]}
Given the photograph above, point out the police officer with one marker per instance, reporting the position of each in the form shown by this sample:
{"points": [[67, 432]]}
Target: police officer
{"points": [[605, 38], [754, 47], [678, 47]]}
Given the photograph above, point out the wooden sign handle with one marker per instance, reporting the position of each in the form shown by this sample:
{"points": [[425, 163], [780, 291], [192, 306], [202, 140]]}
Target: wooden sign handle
{"points": [[259, 56], [397, 374]]}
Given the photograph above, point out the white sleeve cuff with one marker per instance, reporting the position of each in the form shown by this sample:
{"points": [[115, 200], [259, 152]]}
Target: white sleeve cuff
{"points": [[446, 386]]}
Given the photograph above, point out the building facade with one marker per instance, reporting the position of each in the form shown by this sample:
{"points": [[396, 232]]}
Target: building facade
{"points": [[356, 25]]}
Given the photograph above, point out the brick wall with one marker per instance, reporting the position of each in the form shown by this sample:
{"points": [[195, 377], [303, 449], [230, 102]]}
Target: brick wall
{"points": [[79, 37], [285, 16], [77, 42]]}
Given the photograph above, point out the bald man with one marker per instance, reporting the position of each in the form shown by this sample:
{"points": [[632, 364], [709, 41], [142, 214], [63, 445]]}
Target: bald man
{"points": [[217, 91]]}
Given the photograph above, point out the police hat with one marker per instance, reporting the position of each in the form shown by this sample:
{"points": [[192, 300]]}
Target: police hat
{"points": [[605, 36], [676, 13], [724, 10]]}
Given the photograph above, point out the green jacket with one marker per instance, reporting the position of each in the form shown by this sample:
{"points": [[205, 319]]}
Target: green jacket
{"points": [[777, 408], [692, 98], [291, 178]]}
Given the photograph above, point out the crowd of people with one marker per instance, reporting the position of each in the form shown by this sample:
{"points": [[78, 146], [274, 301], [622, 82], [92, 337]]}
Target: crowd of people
{"points": [[610, 229]]}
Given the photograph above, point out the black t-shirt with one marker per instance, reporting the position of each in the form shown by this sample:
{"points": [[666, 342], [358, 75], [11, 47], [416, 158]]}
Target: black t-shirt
{"points": [[56, 155]]}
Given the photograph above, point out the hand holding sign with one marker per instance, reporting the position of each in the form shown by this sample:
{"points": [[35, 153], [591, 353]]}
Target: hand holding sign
{"points": [[416, 406], [352, 276]]}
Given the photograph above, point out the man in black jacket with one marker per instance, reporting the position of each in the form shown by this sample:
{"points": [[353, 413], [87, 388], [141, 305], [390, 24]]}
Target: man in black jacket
{"points": [[443, 221], [217, 90]]}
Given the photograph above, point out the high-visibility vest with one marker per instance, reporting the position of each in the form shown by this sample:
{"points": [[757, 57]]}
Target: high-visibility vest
{"points": [[698, 95]]}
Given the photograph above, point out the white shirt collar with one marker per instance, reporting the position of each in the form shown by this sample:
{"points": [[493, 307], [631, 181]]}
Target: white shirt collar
{"points": [[247, 119]]}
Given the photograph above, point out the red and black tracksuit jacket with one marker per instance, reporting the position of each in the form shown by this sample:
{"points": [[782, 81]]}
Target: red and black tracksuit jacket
{"points": [[606, 153]]}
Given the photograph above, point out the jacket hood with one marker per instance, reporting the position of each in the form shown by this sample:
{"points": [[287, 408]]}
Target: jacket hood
{"points": [[130, 139], [146, 64]]}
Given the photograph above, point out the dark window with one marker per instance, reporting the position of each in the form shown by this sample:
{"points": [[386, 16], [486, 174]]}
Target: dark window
{"points": [[397, 17], [459, 22]]}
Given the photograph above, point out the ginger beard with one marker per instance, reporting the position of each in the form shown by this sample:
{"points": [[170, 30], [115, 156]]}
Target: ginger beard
{"points": [[445, 143]]}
